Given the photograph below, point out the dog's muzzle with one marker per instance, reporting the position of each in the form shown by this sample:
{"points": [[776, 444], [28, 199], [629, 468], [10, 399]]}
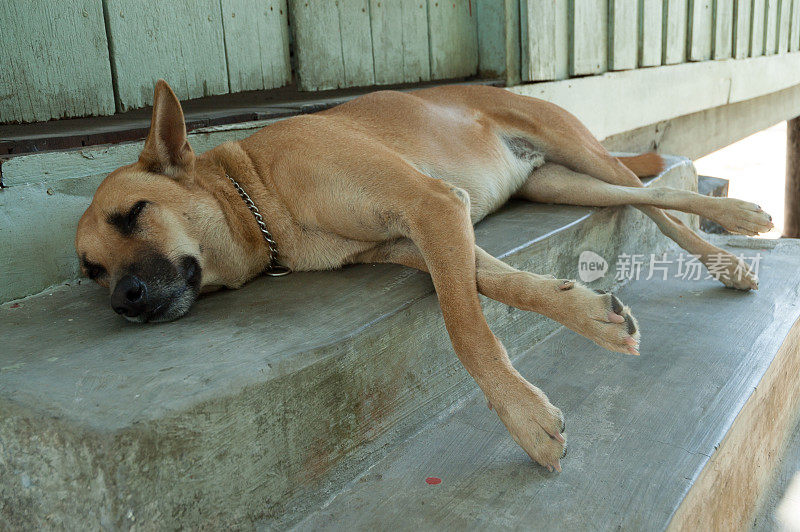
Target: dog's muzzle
{"points": [[155, 289]]}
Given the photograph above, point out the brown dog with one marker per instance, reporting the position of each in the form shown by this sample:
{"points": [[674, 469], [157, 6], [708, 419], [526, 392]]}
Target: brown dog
{"points": [[387, 177]]}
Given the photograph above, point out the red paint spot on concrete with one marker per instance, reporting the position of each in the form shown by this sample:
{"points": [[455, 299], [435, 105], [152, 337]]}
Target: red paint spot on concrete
{"points": [[16, 305], [433, 480]]}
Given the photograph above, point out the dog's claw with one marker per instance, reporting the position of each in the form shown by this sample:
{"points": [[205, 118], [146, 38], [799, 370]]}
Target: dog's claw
{"points": [[613, 317], [566, 284]]}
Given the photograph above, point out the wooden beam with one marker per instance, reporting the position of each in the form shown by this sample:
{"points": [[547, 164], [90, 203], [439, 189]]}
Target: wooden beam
{"points": [[698, 134], [620, 101], [791, 226]]}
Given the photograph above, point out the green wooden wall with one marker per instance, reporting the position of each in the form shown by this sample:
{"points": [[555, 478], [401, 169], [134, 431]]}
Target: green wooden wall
{"points": [[97, 57], [565, 38], [54, 61]]}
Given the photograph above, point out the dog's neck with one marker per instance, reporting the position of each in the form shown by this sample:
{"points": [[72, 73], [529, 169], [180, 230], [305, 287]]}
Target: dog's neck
{"points": [[242, 254]]}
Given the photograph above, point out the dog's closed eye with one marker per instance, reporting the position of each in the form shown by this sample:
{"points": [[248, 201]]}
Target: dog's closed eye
{"points": [[125, 222], [93, 270]]}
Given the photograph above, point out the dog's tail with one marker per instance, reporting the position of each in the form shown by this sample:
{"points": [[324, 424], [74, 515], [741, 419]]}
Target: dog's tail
{"points": [[644, 165]]}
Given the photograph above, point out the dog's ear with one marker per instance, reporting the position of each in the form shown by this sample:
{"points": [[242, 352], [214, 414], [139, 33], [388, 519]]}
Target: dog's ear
{"points": [[167, 150]]}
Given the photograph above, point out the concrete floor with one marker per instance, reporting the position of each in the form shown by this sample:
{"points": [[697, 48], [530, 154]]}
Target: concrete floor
{"points": [[756, 169]]}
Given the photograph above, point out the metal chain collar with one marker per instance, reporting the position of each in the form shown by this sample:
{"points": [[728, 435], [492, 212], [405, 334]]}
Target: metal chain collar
{"points": [[274, 269]]}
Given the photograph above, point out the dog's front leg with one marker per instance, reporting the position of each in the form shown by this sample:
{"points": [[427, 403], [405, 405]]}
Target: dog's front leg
{"points": [[599, 316], [438, 222]]}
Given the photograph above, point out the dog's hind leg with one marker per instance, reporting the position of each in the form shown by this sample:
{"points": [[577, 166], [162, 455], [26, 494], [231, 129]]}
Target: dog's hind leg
{"points": [[554, 183], [564, 140], [601, 317]]}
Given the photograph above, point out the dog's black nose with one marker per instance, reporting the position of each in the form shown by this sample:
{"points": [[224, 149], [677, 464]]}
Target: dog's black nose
{"points": [[129, 297]]}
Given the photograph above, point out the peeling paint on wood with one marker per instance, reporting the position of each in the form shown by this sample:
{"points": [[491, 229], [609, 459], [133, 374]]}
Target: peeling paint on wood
{"points": [[453, 34], [794, 33], [545, 39], [723, 29], [55, 61], [400, 41], [757, 28], [675, 26], [784, 25], [589, 36], [623, 34], [771, 27], [700, 24], [256, 44], [650, 32], [742, 19], [151, 39]]}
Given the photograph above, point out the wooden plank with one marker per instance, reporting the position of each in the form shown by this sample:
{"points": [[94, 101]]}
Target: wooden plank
{"points": [[675, 26], [757, 28], [651, 26], [333, 44], [742, 18], [55, 62], [151, 39], [545, 39], [588, 36], [256, 44], [771, 27], [499, 44], [784, 25], [317, 44], [356, 39], [700, 30], [791, 226], [623, 34], [400, 41], [453, 31], [723, 29], [794, 34], [514, 44], [621, 101], [698, 134], [491, 38], [794, 31]]}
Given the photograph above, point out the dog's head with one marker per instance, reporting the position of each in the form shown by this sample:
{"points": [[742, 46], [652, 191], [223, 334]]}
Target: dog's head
{"points": [[141, 237]]}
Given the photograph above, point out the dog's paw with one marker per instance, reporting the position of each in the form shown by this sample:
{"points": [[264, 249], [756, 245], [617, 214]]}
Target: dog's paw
{"points": [[599, 316], [731, 271], [740, 217], [533, 422]]}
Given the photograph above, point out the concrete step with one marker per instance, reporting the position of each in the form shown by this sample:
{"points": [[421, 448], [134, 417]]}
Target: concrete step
{"points": [[642, 431], [261, 402], [780, 504]]}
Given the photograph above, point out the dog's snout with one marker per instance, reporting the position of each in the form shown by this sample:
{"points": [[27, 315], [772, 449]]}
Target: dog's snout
{"points": [[129, 297]]}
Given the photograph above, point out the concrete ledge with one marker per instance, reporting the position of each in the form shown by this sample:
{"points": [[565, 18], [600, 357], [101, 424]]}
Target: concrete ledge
{"points": [[263, 399], [641, 430]]}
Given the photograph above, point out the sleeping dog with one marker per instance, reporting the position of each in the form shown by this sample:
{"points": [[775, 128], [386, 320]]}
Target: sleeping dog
{"points": [[388, 177]]}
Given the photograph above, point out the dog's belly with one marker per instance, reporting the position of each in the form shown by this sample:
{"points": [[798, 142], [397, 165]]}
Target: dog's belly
{"points": [[492, 177]]}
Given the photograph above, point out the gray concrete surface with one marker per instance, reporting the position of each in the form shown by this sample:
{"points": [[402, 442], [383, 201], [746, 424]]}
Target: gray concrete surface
{"points": [[788, 469], [260, 401], [640, 429]]}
